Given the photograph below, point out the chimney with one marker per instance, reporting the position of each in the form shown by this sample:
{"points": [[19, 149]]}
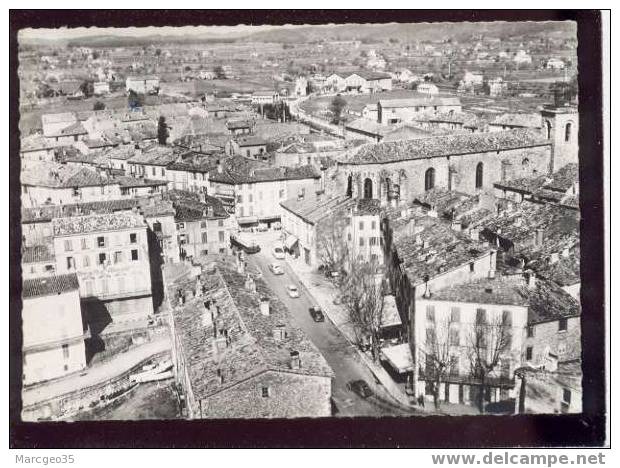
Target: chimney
{"points": [[456, 225], [540, 237], [264, 306], [530, 278], [295, 360], [474, 233]]}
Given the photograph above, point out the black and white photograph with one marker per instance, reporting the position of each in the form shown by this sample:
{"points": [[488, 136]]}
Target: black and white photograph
{"points": [[322, 221]]}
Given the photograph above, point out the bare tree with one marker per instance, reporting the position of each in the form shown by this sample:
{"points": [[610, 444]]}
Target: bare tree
{"points": [[437, 353], [362, 293], [332, 245], [489, 344]]}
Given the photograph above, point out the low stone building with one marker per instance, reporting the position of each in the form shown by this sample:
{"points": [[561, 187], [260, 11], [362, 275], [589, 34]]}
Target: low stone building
{"points": [[236, 353]]}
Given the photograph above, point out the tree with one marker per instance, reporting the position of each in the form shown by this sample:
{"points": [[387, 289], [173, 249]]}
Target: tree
{"points": [[489, 344], [219, 72], [98, 105], [362, 291], [134, 100], [88, 88], [437, 353], [332, 246], [337, 106], [157, 52], [162, 131]]}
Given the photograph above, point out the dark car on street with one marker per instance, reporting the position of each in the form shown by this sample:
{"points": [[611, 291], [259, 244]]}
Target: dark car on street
{"points": [[360, 387], [317, 314]]}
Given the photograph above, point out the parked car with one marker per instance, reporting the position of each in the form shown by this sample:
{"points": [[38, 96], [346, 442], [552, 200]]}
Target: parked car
{"points": [[292, 291], [317, 314], [360, 387], [276, 269], [278, 252]]}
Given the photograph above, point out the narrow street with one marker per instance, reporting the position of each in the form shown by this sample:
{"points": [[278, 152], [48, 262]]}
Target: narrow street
{"points": [[338, 352]]}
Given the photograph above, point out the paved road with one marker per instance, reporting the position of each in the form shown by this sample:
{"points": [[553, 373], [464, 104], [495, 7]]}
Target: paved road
{"points": [[338, 352]]}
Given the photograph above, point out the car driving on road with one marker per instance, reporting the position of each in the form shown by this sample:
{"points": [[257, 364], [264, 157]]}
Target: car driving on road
{"points": [[292, 291], [317, 314], [276, 269], [278, 252], [360, 387]]}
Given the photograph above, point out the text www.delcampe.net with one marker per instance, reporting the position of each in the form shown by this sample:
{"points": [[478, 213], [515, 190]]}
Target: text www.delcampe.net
{"points": [[507, 458]]}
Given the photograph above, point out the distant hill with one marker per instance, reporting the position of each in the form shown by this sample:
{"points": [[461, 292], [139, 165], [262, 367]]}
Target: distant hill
{"points": [[365, 32]]}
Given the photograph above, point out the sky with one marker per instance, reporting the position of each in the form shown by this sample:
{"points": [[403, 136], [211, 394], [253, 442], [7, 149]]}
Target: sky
{"points": [[70, 33]]}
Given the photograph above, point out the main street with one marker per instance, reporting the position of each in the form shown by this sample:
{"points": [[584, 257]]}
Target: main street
{"points": [[338, 352]]}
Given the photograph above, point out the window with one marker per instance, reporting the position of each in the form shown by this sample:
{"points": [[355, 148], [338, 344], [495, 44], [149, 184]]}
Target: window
{"points": [[481, 316], [429, 179], [153, 170], [84, 243], [86, 261], [567, 131], [507, 318], [65, 351], [430, 336], [204, 237], [157, 226], [361, 225], [455, 315], [102, 258], [367, 188], [133, 238], [239, 199], [472, 267], [349, 237], [134, 255], [265, 392], [181, 226], [361, 242], [251, 198], [221, 236], [70, 263], [530, 332], [454, 365], [101, 241], [373, 225], [281, 193], [118, 257], [68, 245], [163, 172], [220, 223], [203, 224], [562, 325], [529, 352], [479, 175], [372, 241], [430, 313], [455, 337]]}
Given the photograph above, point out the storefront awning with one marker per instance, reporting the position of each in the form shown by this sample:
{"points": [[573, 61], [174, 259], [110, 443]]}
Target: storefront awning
{"points": [[391, 317], [269, 218], [399, 357], [247, 220], [290, 241]]}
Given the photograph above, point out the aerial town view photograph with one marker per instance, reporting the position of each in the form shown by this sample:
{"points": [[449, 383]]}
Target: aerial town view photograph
{"points": [[299, 221]]}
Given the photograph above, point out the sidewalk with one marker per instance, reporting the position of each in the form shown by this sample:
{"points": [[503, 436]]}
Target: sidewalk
{"points": [[324, 292], [96, 374]]}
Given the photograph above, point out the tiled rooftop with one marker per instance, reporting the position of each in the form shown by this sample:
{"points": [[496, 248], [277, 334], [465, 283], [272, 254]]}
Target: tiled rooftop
{"points": [[249, 346], [545, 301], [96, 223], [54, 175], [49, 285], [38, 254], [189, 206], [313, 209], [424, 100], [240, 170], [155, 156], [444, 146], [518, 120]]}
